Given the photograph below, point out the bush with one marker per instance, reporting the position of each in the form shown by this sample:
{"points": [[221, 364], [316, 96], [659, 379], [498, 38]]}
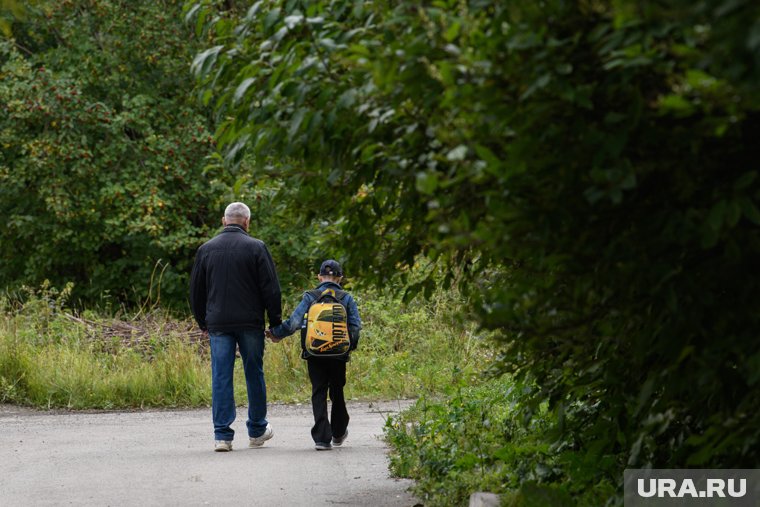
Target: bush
{"points": [[584, 171], [103, 151], [476, 439]]}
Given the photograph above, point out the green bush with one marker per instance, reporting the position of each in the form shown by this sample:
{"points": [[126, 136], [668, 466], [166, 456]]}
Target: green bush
{"points": [[103, 151], [584, 171], [476, 439]]}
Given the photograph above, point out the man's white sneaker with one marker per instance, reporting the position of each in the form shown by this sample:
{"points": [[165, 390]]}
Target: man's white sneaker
{"points": [[222, 445], [323, 446], [259, 441]]}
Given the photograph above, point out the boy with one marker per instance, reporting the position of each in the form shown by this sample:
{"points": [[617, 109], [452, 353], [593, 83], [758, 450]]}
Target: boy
{"points": [[326, 374]]}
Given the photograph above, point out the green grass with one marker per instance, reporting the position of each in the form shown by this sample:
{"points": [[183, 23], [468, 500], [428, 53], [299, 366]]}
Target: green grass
{"points": [[50, 358], [60, 367]]}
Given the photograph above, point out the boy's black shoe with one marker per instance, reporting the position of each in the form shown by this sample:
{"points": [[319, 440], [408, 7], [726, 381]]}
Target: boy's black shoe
{"points": [[337, 442], [322, 446]]}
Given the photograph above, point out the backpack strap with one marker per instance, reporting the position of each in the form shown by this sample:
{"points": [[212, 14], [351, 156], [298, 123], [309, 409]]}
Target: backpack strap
{"points": [[319, 294]]}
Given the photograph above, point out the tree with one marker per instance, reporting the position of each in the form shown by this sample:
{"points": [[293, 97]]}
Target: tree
{"points": [[102, 168], [583, 170]]}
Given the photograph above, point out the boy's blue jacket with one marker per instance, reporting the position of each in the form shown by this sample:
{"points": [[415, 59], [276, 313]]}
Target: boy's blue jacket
{"points": [[293, 324]]}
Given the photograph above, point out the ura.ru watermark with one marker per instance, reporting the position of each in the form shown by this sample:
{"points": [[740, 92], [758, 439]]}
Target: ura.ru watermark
{"points": [[692, 487]]}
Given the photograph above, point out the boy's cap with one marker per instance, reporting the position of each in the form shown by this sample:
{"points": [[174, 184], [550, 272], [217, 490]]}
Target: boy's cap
{"points": [[330, 268]]}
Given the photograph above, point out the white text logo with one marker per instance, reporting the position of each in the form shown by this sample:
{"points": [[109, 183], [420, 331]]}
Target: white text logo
{"points": [[670, 488]]}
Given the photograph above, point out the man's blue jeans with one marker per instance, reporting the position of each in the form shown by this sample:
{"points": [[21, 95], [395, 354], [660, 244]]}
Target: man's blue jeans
{"points": [[251, 345]]}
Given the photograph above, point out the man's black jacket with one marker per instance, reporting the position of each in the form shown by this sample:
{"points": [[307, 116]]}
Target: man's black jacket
{"points": [[233, 281]]}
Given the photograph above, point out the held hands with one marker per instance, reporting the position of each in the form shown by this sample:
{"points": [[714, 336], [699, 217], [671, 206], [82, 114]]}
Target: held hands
{"points": [[268, 334]]}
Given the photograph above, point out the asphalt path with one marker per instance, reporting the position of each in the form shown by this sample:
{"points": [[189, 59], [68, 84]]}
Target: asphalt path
{"points": [[166, 458]]}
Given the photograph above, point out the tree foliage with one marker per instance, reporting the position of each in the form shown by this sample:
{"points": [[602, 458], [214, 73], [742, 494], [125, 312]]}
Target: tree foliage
{"points": [[586, 171], [103, 150]]}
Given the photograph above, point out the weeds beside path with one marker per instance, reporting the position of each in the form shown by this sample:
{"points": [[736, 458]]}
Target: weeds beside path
{"points": [[53, 357]]}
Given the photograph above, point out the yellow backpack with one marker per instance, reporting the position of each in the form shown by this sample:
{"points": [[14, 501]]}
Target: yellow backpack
{"points": [[324, 332]]}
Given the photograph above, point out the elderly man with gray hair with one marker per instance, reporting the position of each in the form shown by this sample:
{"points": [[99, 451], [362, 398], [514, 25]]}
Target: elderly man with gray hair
{"points": [[233, 283]]}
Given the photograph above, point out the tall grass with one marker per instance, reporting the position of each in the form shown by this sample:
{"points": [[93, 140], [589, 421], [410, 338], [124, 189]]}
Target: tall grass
{"points": [[53, 358], [405, 351]]}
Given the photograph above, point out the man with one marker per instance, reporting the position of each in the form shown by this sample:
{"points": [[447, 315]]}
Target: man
{"points": [[233, 282]]}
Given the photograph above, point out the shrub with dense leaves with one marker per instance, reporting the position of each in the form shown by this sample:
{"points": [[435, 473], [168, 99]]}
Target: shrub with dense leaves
{"points": [[474, 440], [103, 150], [586, 171]]}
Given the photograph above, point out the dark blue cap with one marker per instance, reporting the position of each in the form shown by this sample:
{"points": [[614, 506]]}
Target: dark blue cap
{"points": [[331, 268]]}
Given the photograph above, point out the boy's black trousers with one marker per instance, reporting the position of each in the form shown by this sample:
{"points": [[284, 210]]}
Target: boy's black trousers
{"points": [[328, 375]]}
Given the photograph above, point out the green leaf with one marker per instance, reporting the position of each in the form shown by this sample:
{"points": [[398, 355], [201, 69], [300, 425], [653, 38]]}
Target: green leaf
{"points": [[700, 80], [347, 99], [749, 210], [426, 182], [717, 215], [295, 122], [206, 97], [645, 393], [709, 238], [203, 62], [193, 10], [359, 49], [457, 154], [6, 27], [745, 180], [675, 104], [328, 43], [280, 34], [238, 185], [538, 84], [452, 32], [271, 18], [200, 21], [629, 182], [733, 212], [241, 89], [252, 11], [293, 20]]}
